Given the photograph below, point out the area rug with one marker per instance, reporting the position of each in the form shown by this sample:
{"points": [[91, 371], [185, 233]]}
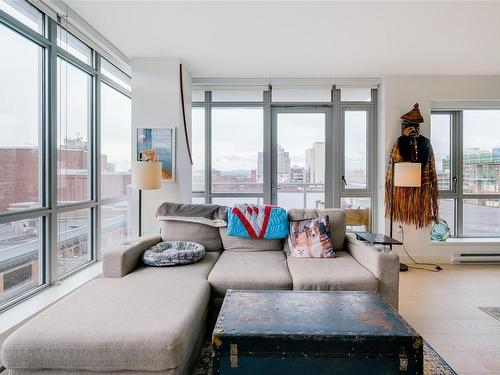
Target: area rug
{"points": [[433, 363], [492, 311]]}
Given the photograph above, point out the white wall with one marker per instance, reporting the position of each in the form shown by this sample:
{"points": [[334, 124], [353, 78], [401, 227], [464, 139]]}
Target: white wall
{"points": [[397, 96], [156, 104]]}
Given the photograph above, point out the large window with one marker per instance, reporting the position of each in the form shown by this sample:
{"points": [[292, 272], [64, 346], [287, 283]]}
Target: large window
{"points": [[198, 147], [357, 185], [22, 153], [74, 240], [297, 147], [52, 216], [75, 155], [355, 149], [20, 257], [116, 138], [467, 150], [73, 130], [21, 119]]}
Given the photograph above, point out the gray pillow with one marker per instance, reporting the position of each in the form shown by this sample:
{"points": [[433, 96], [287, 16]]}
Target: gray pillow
{"points": [[172, 253], [183, 231]]}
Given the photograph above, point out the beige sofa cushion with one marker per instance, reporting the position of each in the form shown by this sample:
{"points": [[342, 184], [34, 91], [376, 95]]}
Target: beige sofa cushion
{"points": [[133, 323], [206, 235], [248, 244], [250, 270], [336, 218], [340, 273]]}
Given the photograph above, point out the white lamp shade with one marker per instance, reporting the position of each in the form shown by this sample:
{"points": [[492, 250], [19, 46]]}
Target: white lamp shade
{"points": [[146, 175], [407, 174]]}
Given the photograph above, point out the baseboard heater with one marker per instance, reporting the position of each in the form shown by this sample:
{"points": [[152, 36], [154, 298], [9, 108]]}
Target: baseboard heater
{"points": [[466, 258]]}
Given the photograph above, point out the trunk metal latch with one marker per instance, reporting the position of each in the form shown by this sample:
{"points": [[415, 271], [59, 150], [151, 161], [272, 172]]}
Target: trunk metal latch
{"points": [[233, 356], [403, 361]]}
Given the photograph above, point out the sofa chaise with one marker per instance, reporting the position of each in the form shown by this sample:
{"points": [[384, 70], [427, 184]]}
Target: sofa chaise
{"points": [[143, 320]]}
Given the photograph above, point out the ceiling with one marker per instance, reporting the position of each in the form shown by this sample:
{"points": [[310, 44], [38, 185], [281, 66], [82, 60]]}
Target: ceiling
{"points": [[305, 39]]}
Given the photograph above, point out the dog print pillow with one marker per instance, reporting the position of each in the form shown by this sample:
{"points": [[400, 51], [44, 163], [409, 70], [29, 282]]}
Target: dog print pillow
{"points": [[310, 238]]}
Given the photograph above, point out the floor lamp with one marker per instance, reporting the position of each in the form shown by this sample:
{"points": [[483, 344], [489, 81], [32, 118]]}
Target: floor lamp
{"points": [[146, 175], [404, 175]]}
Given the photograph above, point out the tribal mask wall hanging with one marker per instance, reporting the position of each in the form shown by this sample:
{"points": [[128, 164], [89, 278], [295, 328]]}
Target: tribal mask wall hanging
{"points": [[413, 205]]}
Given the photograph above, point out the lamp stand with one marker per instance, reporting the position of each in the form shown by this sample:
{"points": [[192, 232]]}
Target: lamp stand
{"points": [[402, 267]]}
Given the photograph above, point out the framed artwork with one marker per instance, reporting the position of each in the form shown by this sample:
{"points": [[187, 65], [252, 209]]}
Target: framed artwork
{"points": [[158, 144]]}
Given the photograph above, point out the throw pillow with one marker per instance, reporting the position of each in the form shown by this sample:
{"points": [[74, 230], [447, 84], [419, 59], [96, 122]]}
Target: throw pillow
{"points": [[310, 238]]}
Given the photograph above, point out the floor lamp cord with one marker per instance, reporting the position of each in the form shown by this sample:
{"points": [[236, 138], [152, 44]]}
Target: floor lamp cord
{"points": [[437, 268]]}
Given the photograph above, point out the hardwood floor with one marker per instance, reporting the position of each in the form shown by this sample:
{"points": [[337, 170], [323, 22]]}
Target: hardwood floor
{"points": [[443, 308]]}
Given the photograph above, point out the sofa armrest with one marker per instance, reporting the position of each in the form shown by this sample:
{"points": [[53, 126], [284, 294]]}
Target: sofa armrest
{"points": [[383, 264], [124, 258]]}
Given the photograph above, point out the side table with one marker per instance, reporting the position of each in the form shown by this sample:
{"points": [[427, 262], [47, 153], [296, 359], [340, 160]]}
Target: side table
{"points": [[381, 239]]}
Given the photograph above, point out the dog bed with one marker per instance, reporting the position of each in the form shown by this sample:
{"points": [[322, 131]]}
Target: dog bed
{"points": [[172, 253]]}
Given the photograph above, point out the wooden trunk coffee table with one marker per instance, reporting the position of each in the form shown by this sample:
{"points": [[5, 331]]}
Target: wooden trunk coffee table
{"points": [[309, 332]]}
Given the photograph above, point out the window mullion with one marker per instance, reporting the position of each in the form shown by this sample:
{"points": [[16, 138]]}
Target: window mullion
{"points": [[208, 146], [458, 167], [372, 155], [329, 142], [267, 148], [51, 234], [96, 240], [337, 158]]}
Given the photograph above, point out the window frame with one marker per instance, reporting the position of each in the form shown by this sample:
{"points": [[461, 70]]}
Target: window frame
{"points": [[231, 105], [334, 152], [371, 191], [456, 191], [208, 104], [49, 209], [370, 150], [91, 94], [327, 134]]}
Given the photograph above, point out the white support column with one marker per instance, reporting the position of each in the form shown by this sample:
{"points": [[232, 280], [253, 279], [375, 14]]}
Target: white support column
{"points": [[156, 104]]}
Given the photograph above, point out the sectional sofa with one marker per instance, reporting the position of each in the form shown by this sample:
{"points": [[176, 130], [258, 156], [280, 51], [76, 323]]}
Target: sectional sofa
{"points": [[143, 320]]}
